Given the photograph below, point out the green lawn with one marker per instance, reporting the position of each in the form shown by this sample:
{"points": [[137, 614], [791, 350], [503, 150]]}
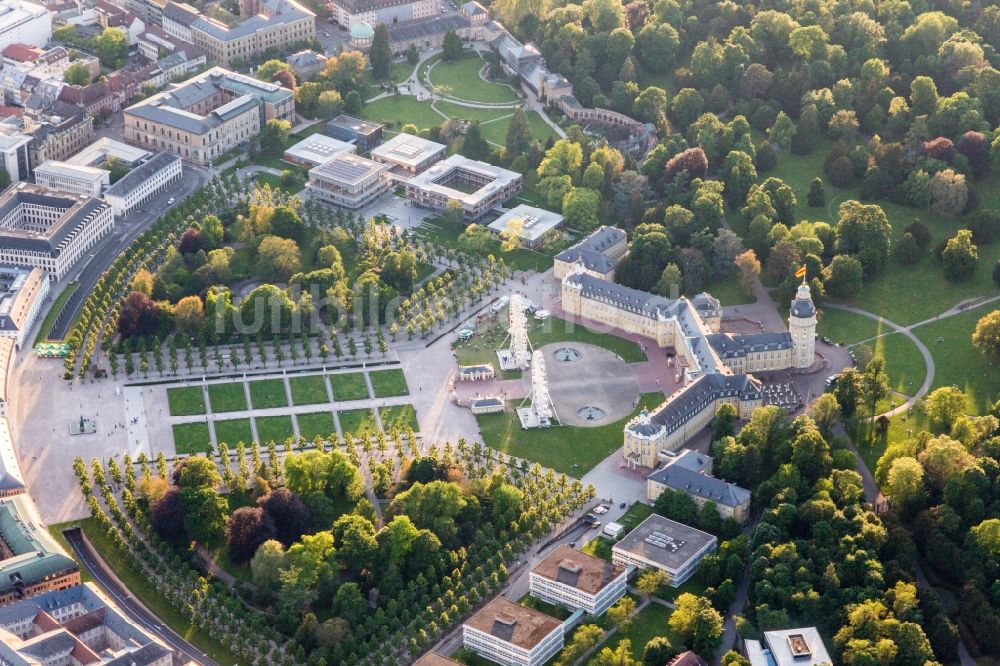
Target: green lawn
{"points": [[461, 79], [903, 362], [398, 110], [349, 386], [552, 610], [191, 438], [353, 421], [308, 390], [315, 423], [554, 329], [847, 328], [647, 624], [388, 383], [398, 416], [265, 393], [275, 182], [228, 397], [520, 259], [563, 448], [957, 362], [274, 428], [50, 316], [398, 72], [599, 546], [233, 431], [728, 290], [185, 400], [144, 591]]}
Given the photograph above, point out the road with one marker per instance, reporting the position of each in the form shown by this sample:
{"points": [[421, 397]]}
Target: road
{"points": [[115, 243], [127, 604]]}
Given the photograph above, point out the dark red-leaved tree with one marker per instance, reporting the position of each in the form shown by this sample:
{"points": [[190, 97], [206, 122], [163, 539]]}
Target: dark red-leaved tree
{"points": [[940, 148], [167, 515], [692, 160], [249, 526], [286, 78], [976, 149], [288, 513], [139, 316], [191, 241]]}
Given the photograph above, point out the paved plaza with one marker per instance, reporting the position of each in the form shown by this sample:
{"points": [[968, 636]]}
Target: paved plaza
{"points": [[590, 378]]}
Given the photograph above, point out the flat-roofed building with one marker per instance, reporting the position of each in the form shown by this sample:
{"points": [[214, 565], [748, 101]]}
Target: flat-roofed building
{"points": [[598, 254], [99, 152], [788, 647], [31, 562], [578, 581], [529, 225], [364, 134], [316, 149], [22, 292], [141, 184], [24, 23], [512, 634], [72, 178], [348, 181], [477, 186], [408, 155], [207, 115], [664, 544], [49, 230], [15, 155]]}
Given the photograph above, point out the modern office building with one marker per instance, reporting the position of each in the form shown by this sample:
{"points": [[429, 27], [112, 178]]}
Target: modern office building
{"points": [[72, 178], [348, 181], [75, 626], [598, 254], [31, 562], [664, 544], [529, 225], [316, 149], [407, 154], [578, 581], [686, 474], [22, 293], [24, 23], [788, 647], [349, 12], [512, 634], [477, 186], [208, 115], [49, 230], [15, 154], [362, 133], [266, 25], [99, 152], [144, 182]]}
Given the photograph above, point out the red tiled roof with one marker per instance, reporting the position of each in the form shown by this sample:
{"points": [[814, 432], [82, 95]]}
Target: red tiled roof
{"points": [[22, 52]]}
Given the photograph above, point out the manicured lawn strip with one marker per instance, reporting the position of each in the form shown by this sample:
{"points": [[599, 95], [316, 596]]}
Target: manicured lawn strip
{"points": [[635, 514], [554, 329], [599, 546], [228, 397], [144, 591], [540, 129], [563, 448], [398, 110], [957, 362], [847, 328], [352, 421], [903, 362], [275, 182], [647, 624], [398, 416], [186, 400], [50, 316], [57, 534], [315, 423], [308, 390], [461, 79], [233, 431], [191, 438], [274, 428], [265, 393], [728, 291], [388, 383], [349, 386]]}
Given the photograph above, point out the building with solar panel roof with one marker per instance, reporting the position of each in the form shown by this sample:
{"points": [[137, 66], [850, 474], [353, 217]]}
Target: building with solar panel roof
{"points": [[407, 155], [348, 181]]}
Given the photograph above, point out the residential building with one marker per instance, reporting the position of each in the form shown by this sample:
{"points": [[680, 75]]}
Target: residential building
{"points": [[349, 12], [598, 254], [578, 581], [348, 181], [664, 544], [31, 562], [407, 154], [141, 184], [100, 151], [685, 474], [78, 625], [22, 292], [55, 136], [15, 154], [365, 135], [529, 225], [513, 635], [788, 647], [477, 186], [316, 149], [72, 178], [276, 24], [112, 16], [208, 115], [24, 23], [50, 230]]}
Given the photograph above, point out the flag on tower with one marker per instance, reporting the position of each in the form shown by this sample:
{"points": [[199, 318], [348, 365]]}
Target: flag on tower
{"points": [[801, 273]]}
